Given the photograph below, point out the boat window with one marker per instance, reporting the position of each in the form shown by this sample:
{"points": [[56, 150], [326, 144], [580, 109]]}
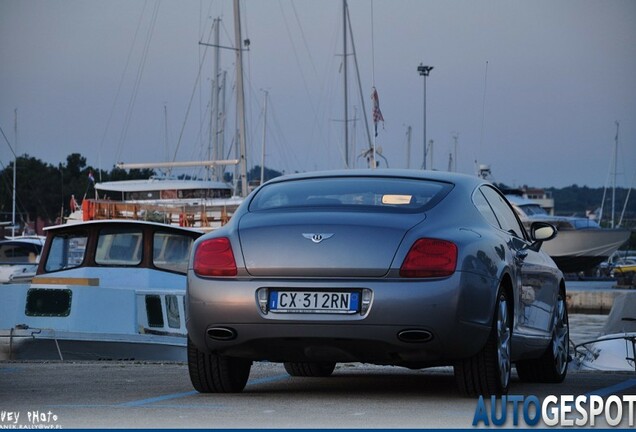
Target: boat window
{"points": [[584, 223], [368, 193], [172, 311], [142, 195], [48, 302], [204, 193], [15, 253], [119, 247], [66, 251], [171, 251], [153, 311]]}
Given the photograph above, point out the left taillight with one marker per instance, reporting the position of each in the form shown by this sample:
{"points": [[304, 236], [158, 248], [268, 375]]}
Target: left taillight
{"points": [[430, 258], [214, 257]]}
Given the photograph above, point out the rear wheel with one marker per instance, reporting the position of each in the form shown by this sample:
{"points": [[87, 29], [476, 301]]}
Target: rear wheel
{"points": [[212, 373], [488, 372], [310, 369], [552, 366]]}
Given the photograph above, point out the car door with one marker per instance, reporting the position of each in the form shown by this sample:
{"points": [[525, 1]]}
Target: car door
{"points": [[537, 282]]}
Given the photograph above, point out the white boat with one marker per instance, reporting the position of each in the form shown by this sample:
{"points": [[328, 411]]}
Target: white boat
{"points": [[19, 257], [581, 243], [104, 290], [614, 349], [201, 204]]}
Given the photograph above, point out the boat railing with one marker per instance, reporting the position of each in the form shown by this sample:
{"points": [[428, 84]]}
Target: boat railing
{"points": [[585, 350], [188, 215]]}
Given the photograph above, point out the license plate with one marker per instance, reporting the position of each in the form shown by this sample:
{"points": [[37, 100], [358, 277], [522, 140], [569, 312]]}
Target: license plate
{"points": [[314, 301]]}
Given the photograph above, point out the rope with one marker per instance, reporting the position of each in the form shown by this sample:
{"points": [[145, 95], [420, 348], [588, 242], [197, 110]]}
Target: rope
{"points": [[121, 84]]}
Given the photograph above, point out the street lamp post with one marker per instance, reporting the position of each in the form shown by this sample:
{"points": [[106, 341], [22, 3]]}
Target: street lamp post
{"points": [[424, 71]]}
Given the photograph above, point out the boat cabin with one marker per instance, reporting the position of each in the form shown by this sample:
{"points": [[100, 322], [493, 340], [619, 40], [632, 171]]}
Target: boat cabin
{"points": [[104, 290], [111, 243]]}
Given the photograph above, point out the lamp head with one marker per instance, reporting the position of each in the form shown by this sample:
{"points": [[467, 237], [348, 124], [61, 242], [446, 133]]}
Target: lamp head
{"points": [[424, 70]]}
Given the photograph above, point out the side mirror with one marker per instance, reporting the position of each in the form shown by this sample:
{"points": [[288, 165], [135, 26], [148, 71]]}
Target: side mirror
{"points": [[540, 232]]}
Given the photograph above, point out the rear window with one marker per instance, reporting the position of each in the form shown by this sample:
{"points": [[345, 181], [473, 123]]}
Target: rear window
{"points": [[365, 193]]}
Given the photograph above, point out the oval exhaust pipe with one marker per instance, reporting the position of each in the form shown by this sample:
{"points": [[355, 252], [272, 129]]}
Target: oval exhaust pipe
{"points": [[221, 333], [415, 336]]}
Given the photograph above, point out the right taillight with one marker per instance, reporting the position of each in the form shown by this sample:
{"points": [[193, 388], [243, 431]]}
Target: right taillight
{"points": [[430, 258], [214, 257]]}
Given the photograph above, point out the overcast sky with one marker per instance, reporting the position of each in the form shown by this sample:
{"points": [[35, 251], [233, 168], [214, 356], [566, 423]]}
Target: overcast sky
{"points": [[532, 88]]}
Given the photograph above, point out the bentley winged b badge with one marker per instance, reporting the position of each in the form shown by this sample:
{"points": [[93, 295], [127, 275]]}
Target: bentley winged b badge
{"points": [[317, 237]]}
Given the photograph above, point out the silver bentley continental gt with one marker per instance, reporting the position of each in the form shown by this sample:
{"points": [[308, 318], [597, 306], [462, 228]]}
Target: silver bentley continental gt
{"points": [[389, 267]]}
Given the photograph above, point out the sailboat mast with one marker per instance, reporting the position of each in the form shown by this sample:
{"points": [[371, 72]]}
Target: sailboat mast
{"points": [[217, 152], [264, 132], [615, 172], [221, 131], [165, 130], [15, 162], [364, 110], [346, 96], [240, 96]]}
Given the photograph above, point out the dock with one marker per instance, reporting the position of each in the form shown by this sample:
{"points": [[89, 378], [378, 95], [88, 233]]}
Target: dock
{"points": [[594, 297]]}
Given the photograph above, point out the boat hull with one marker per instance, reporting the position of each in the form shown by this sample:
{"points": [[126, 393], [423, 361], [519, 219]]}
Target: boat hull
{"points": [[43, 344], [580, 250]]}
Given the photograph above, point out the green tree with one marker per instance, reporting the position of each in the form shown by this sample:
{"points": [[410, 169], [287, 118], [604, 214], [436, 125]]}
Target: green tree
{"points": [[255, 174], [37, 189]]}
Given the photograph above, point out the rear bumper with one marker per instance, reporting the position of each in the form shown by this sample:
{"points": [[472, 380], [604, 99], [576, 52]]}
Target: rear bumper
{"points": [[448, 319]]}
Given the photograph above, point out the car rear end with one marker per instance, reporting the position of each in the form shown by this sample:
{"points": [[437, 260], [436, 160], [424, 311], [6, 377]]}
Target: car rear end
{"points": [[363, 268]]}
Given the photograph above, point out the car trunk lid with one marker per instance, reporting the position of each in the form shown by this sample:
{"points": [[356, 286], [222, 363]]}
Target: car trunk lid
{"points": [[321, 243]]}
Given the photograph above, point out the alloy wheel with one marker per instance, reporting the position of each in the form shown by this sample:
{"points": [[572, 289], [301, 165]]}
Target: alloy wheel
{"points": [[560, 337], [503, 342]]}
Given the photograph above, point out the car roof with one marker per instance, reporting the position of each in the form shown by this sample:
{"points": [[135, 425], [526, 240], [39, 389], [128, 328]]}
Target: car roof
{"points": [[443, 176]]}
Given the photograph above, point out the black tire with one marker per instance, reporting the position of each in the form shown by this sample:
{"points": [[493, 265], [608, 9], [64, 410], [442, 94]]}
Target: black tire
{"points": [[552, 366], [488, 372], [310, 369], [212, 373]]}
